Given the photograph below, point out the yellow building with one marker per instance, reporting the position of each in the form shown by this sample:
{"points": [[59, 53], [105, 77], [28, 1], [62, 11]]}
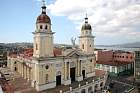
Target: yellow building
{"points": [[46, 68]]}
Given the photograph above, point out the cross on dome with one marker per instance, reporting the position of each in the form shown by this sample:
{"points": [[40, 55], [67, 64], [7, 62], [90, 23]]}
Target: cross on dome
{"points": [[43, 2]]}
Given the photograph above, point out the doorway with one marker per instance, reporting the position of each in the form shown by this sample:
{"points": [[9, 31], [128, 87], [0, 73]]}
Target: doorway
{"points": [[72, 74], [58, 80], [83, 73]]}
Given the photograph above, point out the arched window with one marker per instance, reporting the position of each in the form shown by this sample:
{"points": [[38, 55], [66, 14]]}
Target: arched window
{"points": [[82, 46], [40, 26], [46, 27], [36, 47], [15, 62], [101, 84], [90, 60], [90, 45]]}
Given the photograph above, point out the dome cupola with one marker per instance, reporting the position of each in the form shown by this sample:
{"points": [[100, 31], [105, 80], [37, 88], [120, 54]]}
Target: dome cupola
{"points": [[43, 17], [86, 25]]}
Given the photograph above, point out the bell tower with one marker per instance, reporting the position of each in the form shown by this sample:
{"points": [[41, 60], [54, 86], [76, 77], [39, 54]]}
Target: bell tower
{"points": [[43, 35], [86, 39]]}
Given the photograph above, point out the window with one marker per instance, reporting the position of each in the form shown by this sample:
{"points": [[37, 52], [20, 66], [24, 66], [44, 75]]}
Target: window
{"points": [[83, 46], [40, 26], [113, 69], [90, 60], [46, 27], [90, 45], [101, 84], [15, 62], [36, 47], [46, 66]]}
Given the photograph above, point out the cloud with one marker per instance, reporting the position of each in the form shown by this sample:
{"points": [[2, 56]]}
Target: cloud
{"points": [[111, 18]]}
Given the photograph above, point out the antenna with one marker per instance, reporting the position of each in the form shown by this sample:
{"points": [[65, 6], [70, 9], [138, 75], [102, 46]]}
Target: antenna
{"points": [[86, 14], [86, 18], [43, 2]]}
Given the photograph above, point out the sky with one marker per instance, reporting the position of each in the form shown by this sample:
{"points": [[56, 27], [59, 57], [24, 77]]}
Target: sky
{"points": [[113, 21]]}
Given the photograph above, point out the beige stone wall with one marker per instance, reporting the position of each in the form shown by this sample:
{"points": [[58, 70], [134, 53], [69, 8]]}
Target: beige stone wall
{"points": [[43, 45], [87, 45]]}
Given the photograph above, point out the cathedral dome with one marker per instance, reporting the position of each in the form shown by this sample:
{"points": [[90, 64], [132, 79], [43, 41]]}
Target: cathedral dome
{"points": [[86, 25], [43, 18]]}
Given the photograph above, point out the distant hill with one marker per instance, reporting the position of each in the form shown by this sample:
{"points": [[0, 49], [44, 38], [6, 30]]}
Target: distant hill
{"points": [[126, 45]]}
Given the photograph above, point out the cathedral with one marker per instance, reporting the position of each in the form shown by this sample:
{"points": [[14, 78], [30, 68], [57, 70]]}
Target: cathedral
{"points": [[48, 67]]}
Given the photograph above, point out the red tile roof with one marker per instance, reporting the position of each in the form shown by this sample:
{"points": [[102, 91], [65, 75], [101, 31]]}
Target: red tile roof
{"points": [[28, 53], [57, 52]]}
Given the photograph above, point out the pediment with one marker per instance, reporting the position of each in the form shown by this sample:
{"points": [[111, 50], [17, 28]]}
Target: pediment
{"points": [[74, 54]]}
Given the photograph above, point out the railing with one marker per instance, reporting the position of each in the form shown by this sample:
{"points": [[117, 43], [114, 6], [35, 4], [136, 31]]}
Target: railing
{"points": [[85, 86]]}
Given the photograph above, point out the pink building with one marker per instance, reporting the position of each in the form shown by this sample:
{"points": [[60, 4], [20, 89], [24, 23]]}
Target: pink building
{"points": [[114, 56], [115, 62], [104, 56], [121, 56]]}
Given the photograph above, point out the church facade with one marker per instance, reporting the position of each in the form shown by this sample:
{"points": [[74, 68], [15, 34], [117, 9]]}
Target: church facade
{"points": [[48, 67]]}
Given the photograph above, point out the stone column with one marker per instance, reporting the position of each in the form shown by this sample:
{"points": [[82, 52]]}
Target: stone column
{"points": [[68, 70], [65, 70], [20, 68], [26, 72], [77, 68], [29, 73], [67, 79], [80, 68], [23, 71]]}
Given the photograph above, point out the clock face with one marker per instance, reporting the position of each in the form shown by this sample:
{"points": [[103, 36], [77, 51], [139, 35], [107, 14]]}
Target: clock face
{"points": [[46, 66]]}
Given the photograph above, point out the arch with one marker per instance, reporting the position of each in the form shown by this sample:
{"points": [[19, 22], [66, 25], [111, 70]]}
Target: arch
{"points": [[83, 68], [58, 73], [46, 27], [41, 27]]}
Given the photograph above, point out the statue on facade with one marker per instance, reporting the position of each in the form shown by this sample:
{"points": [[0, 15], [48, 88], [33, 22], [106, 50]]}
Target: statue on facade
{"points": [[73, 42]]}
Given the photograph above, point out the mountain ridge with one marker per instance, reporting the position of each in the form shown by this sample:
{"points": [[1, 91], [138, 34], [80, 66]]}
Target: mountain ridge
{"points": [[125, 45]]}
